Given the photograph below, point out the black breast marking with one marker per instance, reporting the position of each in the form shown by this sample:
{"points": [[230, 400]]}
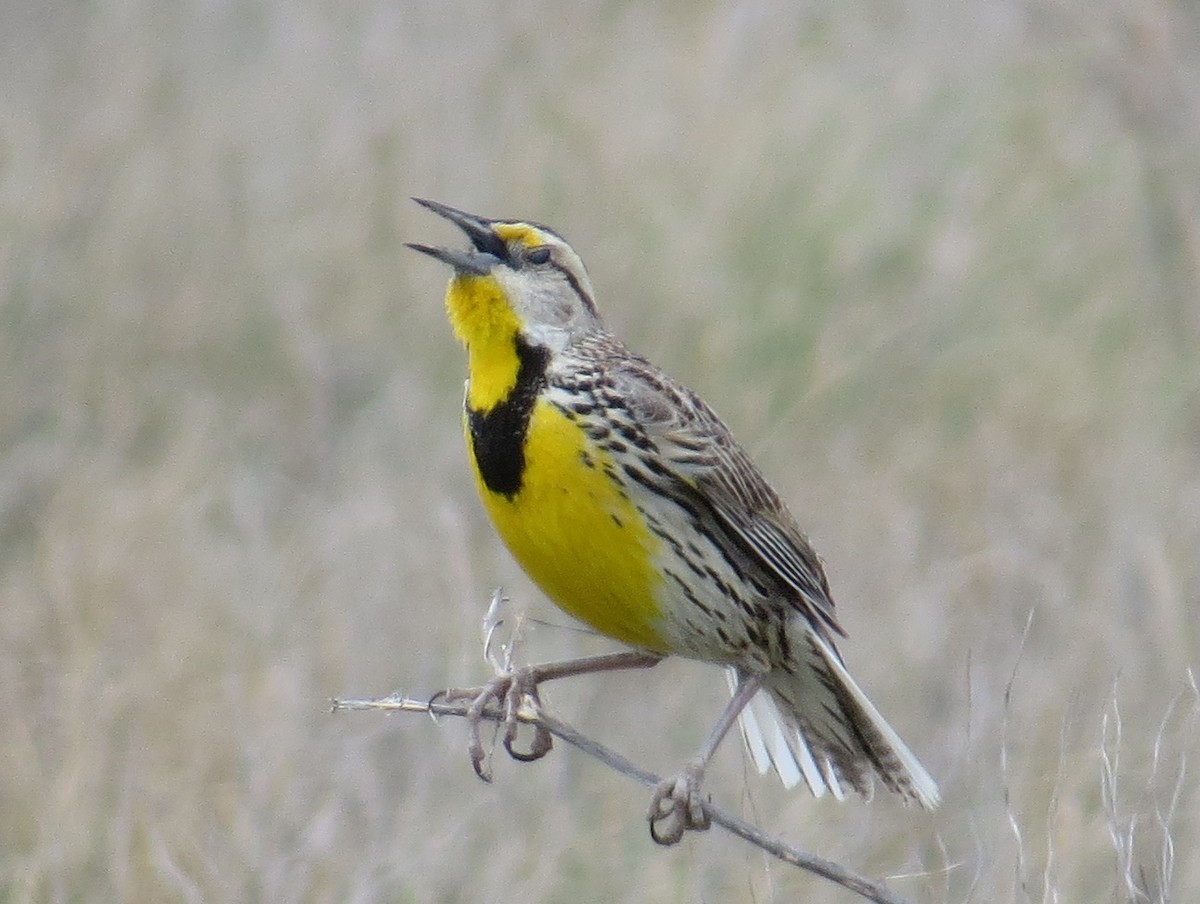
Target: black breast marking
{"points": [[498, 434]]}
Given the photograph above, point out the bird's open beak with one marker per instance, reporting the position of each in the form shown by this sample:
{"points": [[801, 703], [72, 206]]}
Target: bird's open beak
{"points": [[489, 249]]}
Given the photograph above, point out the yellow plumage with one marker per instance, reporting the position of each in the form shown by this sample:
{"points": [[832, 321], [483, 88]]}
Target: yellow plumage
{"points": [[574, 533], [569, 527], [628, 501], [486, 326]]}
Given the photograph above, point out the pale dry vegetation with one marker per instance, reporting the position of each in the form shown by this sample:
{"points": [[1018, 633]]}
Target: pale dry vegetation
{"points": [[938, 265]]}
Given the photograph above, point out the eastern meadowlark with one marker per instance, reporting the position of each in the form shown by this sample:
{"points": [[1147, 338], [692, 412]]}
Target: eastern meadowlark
{"points": [[628, 501]]}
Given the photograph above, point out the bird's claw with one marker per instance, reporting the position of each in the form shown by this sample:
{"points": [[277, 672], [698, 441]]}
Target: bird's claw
{"points": [[677, 807], [510, 692]]}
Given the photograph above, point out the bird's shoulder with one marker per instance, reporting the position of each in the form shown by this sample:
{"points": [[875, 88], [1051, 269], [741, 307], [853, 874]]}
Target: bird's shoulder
{"points": [[695, 450]]}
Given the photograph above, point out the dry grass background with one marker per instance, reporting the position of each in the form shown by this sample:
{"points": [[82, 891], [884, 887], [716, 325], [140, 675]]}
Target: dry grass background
{"points": [[938, 265]]}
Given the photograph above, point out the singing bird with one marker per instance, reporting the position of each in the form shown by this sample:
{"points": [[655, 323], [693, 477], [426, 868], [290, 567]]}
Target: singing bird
{"points": [[630, 504]]}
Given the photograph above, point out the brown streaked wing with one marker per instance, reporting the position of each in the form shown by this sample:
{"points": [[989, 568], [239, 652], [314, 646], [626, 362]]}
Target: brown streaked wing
{"points": [[699, 451]]}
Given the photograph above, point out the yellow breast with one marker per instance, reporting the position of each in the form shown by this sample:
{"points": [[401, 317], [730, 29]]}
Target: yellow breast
{"points": [[575, 533]]}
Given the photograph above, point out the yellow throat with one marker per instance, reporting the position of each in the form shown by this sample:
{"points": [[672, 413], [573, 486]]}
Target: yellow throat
{"points": [[544, 482]]}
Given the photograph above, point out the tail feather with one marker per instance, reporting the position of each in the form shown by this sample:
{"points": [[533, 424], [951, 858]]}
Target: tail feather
{"points": [[772, 744], [813, 721]]}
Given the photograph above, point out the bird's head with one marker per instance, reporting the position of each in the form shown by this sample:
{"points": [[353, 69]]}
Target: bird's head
{"points": [[517, 280]]}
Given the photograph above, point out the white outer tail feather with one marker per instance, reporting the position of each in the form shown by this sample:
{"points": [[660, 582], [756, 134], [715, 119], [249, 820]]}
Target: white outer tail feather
{"points": [[775, 741]]}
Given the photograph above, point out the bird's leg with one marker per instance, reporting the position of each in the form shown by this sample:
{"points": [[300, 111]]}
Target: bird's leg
{"points": [[510, 690], [677, 805]]}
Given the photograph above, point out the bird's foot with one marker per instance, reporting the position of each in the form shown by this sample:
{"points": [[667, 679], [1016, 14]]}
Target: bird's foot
{"points": [[677, 806], [511, 692]]}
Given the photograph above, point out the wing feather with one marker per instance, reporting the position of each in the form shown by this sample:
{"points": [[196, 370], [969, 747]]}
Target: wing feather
{"points": [[700, 454]]}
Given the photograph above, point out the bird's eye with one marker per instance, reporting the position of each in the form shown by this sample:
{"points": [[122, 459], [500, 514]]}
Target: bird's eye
{"points": [[538, 255]]}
